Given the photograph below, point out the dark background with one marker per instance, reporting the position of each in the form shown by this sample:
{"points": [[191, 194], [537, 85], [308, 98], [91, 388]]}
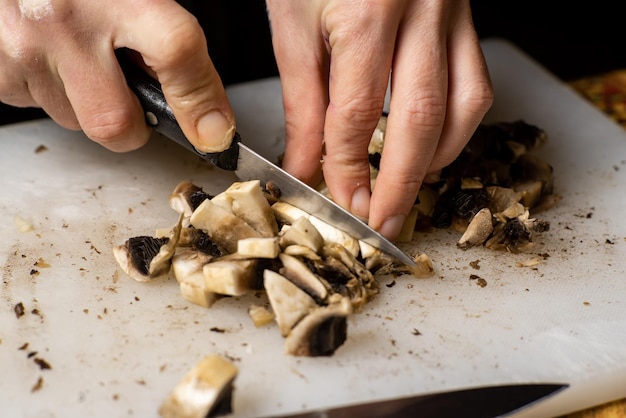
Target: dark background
{"points": [[571, 39]]}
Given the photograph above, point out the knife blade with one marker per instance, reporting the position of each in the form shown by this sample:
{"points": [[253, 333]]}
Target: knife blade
{"points": [[478, 402], [249, 165]]}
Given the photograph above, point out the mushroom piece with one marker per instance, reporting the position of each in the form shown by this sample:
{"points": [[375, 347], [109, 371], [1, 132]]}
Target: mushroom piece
{"points": [[299, 274], [250, 204], [187, 267], [145, 258], [516, 235], [224, 228], [260, 315], [230, 276], [502, 198], [205, 390], [289, 303], [302, 252], [185, 198], [199, 240], [289, 214], [478, 230], [258, 247], [531, 192], [301, 232], [321, 332]]}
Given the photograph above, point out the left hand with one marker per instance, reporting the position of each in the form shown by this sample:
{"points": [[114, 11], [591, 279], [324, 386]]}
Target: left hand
{"points": [[335, 58]]}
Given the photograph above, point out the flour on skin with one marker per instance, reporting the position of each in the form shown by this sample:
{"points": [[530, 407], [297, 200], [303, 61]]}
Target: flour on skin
{"points": [[36, 9]]}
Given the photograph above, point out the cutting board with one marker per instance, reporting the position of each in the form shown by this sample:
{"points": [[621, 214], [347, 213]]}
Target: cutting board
{"points": [[116, 347]]}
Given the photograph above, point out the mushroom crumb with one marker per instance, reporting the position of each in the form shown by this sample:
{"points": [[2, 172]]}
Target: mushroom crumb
{"points": [[19, 309], [38, 385]]}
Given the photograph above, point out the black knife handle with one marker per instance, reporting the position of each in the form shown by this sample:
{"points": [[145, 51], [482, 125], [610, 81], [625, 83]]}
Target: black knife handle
{"points": [[159, 115]]}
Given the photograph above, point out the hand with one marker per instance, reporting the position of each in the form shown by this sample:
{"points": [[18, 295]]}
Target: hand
{"points": [[59, 55], [335, 58]]}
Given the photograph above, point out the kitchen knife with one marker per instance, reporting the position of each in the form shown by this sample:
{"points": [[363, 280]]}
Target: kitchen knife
{"points": [[248, 165], [479, 402]]}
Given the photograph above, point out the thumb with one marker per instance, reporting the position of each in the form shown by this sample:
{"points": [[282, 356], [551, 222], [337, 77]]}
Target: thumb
{"points": [[178, 56]]}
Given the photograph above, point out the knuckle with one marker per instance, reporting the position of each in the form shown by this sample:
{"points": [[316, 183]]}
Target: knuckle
{"points": [[359, 111], [108, 127], [425, 111], [182, 40], [477, 97]]}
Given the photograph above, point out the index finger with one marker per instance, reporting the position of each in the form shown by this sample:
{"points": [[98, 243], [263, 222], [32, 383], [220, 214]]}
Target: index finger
{"points": [[177, 52]]}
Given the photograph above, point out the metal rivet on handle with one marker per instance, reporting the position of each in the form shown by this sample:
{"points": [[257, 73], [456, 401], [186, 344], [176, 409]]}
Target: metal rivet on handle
{"points": [[152, 119]]}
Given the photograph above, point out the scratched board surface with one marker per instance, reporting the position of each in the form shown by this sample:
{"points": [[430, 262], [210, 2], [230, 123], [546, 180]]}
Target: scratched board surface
{"points": [[78, 338]]}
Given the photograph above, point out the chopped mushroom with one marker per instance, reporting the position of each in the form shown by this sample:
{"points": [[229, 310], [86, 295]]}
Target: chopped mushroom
{"points": [[250, 204], [314, 274], [288, 213], [301, 232], [224, 228], [187, 266], [145, 258], [185, 198], [260, 315], [321, 332], [298, 273], [258, 247], [205, 391], [479, 229], [289, 302], [230, 277]]}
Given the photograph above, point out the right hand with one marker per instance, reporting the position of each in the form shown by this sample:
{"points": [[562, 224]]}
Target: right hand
{"points": [[60, 56]]}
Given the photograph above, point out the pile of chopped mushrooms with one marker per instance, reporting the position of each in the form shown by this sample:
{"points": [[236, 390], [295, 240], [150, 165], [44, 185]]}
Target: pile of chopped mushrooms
{"points": [[245, 239]]}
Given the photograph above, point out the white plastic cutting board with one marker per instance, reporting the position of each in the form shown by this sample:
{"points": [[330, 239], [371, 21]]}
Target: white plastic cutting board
{"points": [[117, 347]]}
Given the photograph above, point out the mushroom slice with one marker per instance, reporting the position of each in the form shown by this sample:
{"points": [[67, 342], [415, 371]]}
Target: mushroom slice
{"points": [[301, 232], [258, 247], [205, 390], [198, 240], [224, 228], [502, 198], [321, 332], [185, 199], [145, 258], [346, 275], [289, 303], [289, 214], [223, 200], [230, 277], [187, 261], [424, 267], [340, 253], [478, 230], [531, 192], [302, 251], [250, 204], [187, 265], [530, 167], [193, 289], [299, 274]]}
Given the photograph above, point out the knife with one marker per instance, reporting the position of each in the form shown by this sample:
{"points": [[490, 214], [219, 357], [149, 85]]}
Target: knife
{"points": [[249, 165], [478, 402]]}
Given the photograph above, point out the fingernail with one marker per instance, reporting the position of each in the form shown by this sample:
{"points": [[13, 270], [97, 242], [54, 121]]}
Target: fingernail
{"points": [[360, 204], [392, 226], [215, 132]]}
